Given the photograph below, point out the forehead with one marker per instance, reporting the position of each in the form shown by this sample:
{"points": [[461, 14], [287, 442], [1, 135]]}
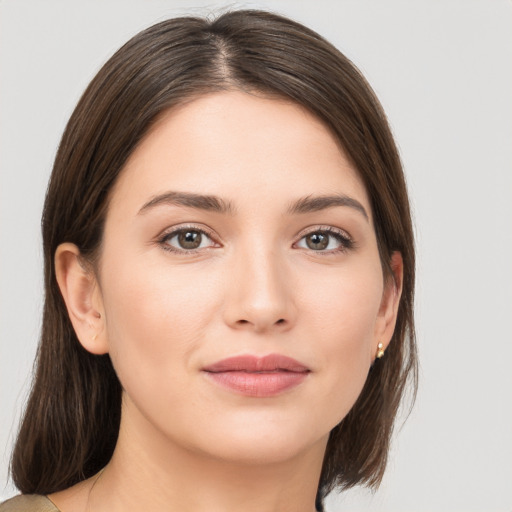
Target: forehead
{"points": [[243, 147]]}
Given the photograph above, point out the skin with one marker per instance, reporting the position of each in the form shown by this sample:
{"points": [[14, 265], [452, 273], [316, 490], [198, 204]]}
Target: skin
{"points": [[254, 286]]}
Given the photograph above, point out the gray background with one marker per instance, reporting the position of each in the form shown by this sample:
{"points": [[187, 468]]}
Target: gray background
{"points": [[442, 69]]}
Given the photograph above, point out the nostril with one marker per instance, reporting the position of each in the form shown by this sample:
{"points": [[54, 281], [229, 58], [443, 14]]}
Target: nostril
{"points": [[281, 321]]}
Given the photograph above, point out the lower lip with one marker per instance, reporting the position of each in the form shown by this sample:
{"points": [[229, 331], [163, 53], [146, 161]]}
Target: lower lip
{"points": [[258, 384]]}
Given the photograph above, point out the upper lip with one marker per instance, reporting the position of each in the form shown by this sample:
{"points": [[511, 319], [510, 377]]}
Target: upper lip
{"points": [[255, 364]]}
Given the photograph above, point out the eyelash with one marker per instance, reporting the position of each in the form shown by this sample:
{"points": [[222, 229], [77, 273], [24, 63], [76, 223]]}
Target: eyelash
{"points": [[169, 235], [345, 241]]}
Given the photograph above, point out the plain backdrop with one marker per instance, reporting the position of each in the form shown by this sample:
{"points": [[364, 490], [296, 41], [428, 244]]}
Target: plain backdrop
{"points": [[443, 71]]}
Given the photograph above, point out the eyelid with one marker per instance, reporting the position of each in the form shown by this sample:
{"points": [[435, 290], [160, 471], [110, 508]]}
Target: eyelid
{"points": [[325, 228], [172, 231], [346, 240]]}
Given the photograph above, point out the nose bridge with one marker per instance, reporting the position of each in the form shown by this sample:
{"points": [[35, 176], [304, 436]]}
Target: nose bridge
{"points": [[260, 295]]}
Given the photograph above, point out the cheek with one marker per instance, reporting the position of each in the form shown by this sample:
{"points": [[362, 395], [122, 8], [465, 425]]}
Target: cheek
{"points": [[156, 317], [343, 316], [344, 304]]}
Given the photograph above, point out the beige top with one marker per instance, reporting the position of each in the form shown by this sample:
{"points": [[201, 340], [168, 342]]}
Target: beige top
{"points": [[28, 503]]}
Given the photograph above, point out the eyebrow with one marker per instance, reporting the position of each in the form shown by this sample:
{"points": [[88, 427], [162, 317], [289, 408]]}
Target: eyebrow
{"points": [[317, 203], [216, 204], [198, 201]]}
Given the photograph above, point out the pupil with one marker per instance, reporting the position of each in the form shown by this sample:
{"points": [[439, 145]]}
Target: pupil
{"points": [[190, 239], [317, 241]]}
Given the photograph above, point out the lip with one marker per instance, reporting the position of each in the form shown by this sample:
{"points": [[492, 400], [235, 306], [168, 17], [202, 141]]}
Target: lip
{"points": [[257, 376]]}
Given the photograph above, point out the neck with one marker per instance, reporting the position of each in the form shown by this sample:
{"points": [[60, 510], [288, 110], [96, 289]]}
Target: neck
{"points": [[150, 473]]}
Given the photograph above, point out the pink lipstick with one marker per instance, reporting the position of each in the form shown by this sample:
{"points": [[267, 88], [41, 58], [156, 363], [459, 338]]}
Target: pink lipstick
{"points": [[257, 376]]}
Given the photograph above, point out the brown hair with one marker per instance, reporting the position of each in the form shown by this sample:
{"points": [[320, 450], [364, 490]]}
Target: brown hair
{"points": [[71, 421]]}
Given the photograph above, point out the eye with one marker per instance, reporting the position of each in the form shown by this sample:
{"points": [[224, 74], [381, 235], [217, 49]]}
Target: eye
{"points": [[326, 240], [186, 239]]}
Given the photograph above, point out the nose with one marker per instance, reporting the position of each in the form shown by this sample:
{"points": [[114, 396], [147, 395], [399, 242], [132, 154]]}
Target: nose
{"points": [[260, 293]]}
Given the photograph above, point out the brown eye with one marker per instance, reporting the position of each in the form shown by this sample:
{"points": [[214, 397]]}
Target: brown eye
{"points": [[326, 241], [186, 239], [189, 239], [317, 241]]}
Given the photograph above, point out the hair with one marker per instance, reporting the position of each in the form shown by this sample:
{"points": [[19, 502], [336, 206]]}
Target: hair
{"points": [[71, 422]]}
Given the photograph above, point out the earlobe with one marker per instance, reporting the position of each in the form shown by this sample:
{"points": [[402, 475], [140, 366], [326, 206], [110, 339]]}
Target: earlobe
{"points": [[388, 311], [82, 296]]}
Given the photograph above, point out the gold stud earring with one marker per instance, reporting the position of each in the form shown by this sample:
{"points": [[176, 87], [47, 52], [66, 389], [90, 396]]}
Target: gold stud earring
{"points": [[380, 350]]}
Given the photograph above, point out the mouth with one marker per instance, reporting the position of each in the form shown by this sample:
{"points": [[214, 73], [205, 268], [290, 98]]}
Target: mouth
{"points": [[257, 376]]}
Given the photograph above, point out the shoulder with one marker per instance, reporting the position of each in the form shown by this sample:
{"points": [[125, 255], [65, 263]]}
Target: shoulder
{"points": [[28, 503]]}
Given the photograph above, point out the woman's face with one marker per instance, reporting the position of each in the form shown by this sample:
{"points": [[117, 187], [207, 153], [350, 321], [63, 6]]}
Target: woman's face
{"points": [[239, 228]]}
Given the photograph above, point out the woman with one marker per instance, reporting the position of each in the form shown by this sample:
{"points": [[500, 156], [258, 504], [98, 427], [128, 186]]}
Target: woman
{"points": [[228, 252]]}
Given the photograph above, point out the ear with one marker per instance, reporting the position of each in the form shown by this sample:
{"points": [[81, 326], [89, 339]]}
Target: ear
{"points": [[388, 310], [82, 295]]}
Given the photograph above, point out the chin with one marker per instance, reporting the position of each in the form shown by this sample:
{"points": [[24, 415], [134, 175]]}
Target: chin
{"points": [[263, 440], [257, 450]]}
